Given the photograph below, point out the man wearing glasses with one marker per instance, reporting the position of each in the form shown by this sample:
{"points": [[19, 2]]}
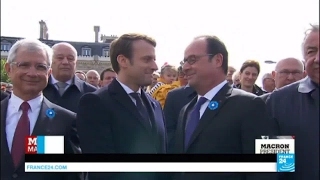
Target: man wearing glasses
{"points": [[287, 71], [25, 113], [220, 119]]}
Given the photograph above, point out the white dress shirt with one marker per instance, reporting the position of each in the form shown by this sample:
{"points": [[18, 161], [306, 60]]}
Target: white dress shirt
{"points": [[14, 113], [54, 81], [209, 95], [129, 90]]}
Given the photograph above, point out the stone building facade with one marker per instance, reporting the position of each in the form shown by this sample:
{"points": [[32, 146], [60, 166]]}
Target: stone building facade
{"points": [[91, 55]]}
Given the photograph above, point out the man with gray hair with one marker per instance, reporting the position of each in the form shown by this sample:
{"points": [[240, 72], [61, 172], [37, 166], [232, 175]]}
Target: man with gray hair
{"points": [[64, 87], [93, 78], [268, 84], [295, 111], [25, 113], [236, 79]]}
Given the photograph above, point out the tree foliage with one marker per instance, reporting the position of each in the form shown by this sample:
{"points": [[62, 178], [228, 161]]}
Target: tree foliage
{"points": [[4, 75]]}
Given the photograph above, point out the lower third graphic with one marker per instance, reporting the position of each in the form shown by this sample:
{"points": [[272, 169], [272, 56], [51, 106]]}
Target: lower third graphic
{"points": [[285, 163]]}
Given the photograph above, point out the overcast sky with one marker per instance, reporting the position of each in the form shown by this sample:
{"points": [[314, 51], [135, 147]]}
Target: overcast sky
{"points": [[251, 29]]}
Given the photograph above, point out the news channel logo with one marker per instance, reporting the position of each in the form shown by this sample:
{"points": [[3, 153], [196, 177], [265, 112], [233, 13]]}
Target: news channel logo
{"points": [[285, 163]]}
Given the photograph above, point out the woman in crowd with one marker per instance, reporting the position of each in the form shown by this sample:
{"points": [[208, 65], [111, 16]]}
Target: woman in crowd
{"points": [[249, 73]]}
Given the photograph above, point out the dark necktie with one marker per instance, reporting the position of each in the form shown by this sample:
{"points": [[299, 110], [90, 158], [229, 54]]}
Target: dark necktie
{"points": [[193, 120], [141, 108], [22, 130], [61, 87]]}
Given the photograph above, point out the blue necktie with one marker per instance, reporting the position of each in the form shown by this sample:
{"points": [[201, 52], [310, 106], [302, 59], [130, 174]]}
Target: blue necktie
{"points": [[141, 108], [193, 120]]}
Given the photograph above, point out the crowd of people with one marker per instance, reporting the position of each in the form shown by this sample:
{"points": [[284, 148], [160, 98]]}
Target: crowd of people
{"points": [[205, 106]]}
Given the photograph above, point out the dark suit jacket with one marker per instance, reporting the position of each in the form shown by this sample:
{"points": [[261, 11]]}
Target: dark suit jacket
{"points": [[109, 122], [4, 95], [265, 97], [70, 98], [294, 109], [230, 129], [175, 101], [59, 125]]}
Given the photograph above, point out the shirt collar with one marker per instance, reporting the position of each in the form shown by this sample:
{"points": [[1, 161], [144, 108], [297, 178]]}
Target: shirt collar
{"points": [[54, 80], [127, 89], [210, 94], [34, 103], [306, 85]]}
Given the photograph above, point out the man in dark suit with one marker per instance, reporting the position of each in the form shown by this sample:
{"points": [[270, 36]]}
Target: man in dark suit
{"points": [[64, 87], [175, 101], [25, 113], [221, 119], [121, 118], [4, 95], [295, 108]]}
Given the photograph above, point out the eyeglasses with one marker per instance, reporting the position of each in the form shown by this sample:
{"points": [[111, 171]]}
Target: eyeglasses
{"points": [[193, 59], [26, 66], [286, 73]]}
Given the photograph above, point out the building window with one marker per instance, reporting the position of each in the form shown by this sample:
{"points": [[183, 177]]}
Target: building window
{"points": [[105, 52], [86, 51], [5, 46]]}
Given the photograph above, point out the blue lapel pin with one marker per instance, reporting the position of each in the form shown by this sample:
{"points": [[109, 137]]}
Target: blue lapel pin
{"points": [[50, 113], [213, 105]]}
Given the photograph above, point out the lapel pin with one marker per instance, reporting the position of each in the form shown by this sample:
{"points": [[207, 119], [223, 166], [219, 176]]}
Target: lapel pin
{"points": [[213, 105], [50, 113]]}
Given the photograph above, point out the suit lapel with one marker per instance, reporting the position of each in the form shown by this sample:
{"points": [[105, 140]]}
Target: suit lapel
{"points": [[120, 95], [150, 107], [42, 124], [4, 143], [183, 122], [209, 114]]}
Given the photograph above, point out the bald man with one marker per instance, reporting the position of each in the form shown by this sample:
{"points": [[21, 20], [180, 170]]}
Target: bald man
{"points": [[93, 78], [64, 88], [287, 71]]}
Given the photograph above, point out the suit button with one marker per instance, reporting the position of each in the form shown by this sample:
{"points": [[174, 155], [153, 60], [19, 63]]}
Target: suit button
{"points": [[14, 175]]}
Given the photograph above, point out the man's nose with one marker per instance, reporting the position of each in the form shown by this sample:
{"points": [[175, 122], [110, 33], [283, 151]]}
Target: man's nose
{"points": [[290, 76], [185, 67], [65, 61], [154, 66]]}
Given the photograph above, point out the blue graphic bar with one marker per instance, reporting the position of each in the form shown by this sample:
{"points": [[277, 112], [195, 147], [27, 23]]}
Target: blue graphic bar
{"points": [[40, 144]]}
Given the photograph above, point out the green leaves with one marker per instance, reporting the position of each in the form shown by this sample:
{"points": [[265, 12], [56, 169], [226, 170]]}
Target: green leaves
{"points": [[4, 75]]}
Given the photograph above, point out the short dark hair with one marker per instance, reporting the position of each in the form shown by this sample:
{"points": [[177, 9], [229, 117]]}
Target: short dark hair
{"points": [[250, 63], [216, 46], [104, 71], [123, 46]]}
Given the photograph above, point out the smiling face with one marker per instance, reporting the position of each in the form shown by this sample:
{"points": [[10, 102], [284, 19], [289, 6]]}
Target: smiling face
{"points": [[29, 72], [202, 69], [140, 67], [249, 76]]}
